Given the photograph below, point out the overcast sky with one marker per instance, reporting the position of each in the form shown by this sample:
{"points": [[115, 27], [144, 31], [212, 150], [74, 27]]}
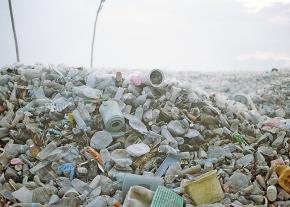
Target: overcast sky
{"points": [[169, 34]]}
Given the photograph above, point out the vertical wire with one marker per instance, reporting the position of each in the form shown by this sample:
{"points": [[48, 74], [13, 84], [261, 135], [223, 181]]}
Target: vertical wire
{"points": [[14, 31], [94, 32]]}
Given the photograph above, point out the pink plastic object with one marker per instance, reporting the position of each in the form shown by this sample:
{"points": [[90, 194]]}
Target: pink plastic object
{"points": [[136, 79], [16, 161]]}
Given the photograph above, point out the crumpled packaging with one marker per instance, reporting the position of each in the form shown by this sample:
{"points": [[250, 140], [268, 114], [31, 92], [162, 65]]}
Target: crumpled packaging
{"points": [[138, 196]]}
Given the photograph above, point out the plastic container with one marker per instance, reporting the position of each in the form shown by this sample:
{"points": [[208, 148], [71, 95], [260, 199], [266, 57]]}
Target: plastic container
{"points": [[154, 78], [284, 177], [205, 189], [112, 116], [167, 135]]}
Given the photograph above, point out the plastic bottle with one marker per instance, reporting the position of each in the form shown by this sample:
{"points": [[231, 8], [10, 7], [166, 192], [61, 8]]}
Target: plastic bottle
{"points": [[139, 112], [170, 159], [106, 156], [147, 104], [167, 149], [84, 113], [78, 118], [87, 92], [3, 132], [15, 149], [140, 100], [19, 115], [190, 170], [43, 194], [174, 93], [99, 201], [30, 74], [152, 138], [33, 149], [167, 135], [13, 97], [38, 93], [39, 166], [43, 154], [150, 182], [119, 93]]}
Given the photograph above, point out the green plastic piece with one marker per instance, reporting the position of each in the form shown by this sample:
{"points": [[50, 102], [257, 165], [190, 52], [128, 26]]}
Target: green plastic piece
{"points": [[238, 137], [164, 197], [104, 98], [90, 100]]}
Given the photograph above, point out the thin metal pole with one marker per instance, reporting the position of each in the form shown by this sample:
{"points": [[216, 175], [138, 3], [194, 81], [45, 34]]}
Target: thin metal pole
{"points": [[14, 32], [94, 32]]}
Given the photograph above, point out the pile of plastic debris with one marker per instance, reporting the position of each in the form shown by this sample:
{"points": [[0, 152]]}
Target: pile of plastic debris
{"points": [[73, 137]]}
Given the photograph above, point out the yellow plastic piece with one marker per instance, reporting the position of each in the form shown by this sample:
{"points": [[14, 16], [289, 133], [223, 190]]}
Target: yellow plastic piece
{"points": [[205, 189], [284, 177], [70, 118]]}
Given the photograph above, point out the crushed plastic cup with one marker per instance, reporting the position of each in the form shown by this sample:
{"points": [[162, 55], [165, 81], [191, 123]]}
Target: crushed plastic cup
{"points": [[138, 125], [137, 150], [205, 189], [138, 196], [101, 140]]}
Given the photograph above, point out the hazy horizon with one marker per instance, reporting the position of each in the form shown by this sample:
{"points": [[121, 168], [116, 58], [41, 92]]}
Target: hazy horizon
{"points": [[208, 35]]}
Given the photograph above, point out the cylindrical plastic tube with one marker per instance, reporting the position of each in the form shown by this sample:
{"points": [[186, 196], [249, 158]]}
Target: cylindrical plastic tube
{"points": [[112, 116], [154, 78]]}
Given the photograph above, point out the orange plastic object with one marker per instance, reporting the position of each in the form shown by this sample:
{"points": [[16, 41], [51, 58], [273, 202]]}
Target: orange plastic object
{"points": [[284, 177], [95, 154], [117, 204]]}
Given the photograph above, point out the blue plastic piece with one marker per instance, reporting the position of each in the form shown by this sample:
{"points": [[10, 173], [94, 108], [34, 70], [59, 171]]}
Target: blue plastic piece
{"points": [[67, 168]]}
